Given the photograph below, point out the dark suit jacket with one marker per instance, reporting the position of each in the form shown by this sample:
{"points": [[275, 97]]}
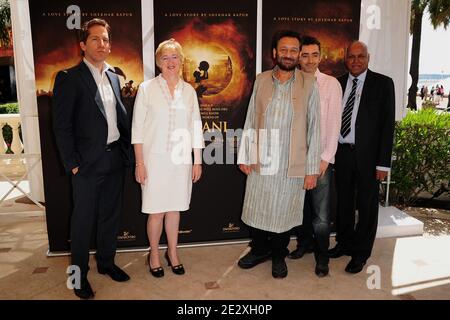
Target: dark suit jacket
{"points": [[79, 118], [374, 127]]}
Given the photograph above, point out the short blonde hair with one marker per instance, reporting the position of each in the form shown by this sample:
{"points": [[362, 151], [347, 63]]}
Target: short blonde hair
{"points": [[168, 44]]}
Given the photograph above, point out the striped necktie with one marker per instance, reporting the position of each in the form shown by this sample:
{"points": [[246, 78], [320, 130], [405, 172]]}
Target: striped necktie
{"points": [[348, 110]]}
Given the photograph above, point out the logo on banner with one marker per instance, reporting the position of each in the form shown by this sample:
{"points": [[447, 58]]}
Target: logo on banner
{"points": [[231, 228], [126, 236], [185, 231]]}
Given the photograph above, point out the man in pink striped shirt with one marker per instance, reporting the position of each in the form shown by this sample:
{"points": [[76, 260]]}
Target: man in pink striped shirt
{"points": [[314, 234]]}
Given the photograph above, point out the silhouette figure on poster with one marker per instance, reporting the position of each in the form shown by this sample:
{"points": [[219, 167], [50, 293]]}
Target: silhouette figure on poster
{"points": [[199, 75]]}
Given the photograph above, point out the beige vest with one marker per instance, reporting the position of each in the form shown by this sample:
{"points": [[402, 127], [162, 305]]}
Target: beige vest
{"points": [[300, 92]]}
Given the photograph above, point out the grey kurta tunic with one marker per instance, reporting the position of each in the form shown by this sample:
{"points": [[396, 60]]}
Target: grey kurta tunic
{"points": [[273, 201]]}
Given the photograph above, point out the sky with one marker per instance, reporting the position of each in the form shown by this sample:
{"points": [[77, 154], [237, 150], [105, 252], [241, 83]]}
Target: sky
{"points": [[434, 49]]}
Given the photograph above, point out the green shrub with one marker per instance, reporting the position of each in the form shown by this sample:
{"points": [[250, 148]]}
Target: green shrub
{"points": [[9, 108], [422, 156], [428, 105]]}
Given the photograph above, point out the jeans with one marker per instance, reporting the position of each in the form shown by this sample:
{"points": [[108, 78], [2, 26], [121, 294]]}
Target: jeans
{"points": [[315, 230]]}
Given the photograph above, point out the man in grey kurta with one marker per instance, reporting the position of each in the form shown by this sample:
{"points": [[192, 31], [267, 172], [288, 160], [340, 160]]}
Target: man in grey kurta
{"points": [[280, 153]]}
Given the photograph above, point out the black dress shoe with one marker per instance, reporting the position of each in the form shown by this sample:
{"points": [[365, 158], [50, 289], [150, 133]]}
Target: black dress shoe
{"points": [[115, 273], [157, 272], [279, 268], [85, 291], [338, 251], [355, 266], [300, 252], [250, 260], [178, 269], [321, 270]]}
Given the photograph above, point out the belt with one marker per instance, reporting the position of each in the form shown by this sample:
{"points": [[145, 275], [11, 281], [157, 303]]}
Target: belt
{"points": [[347, 145], [113, 144]]}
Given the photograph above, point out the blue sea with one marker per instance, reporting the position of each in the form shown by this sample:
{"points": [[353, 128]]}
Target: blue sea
{"points": [[432, 79]]}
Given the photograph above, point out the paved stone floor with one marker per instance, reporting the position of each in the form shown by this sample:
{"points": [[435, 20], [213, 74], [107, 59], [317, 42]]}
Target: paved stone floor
{"points": [[400, 268]]}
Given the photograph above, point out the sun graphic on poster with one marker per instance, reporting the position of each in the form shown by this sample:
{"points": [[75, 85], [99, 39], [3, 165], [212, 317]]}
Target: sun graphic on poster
{"points": [[216, 58], [208, 68]]}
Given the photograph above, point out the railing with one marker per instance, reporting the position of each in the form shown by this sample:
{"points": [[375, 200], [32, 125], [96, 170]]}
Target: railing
{"points": [[15, 167], [11, 165], [13, 120]]}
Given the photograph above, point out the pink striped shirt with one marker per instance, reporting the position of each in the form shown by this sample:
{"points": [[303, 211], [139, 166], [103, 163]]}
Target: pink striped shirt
{"points": [[330, 92]]}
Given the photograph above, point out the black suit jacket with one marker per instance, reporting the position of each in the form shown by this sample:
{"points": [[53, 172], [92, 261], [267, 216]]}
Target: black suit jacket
{"points": [[374, 127], [79, 118]]}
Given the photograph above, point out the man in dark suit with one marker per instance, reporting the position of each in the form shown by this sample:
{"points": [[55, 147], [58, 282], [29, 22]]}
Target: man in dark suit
{"points": [[93, 138], [363, 157]]}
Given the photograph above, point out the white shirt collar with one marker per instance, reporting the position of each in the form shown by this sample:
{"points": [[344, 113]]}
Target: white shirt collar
{"points": [[361, 77], [91, 67]]}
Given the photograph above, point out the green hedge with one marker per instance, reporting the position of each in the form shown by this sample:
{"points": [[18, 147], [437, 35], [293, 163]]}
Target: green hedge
{"points": [[421, 156], [9, 108]]}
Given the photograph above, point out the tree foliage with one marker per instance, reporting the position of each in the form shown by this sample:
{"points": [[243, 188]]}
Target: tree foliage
{"points": [[439, 11], [5, 23]]}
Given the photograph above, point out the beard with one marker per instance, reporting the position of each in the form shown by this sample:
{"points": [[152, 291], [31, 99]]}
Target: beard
{"points": [[286, 64]]}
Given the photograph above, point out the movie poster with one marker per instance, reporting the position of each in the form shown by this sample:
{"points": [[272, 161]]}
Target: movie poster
{"points": [[56, 47], [219, 44], [334, 23], [55, 26]]}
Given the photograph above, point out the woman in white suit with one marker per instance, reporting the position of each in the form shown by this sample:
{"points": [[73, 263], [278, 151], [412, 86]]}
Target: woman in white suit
{"points": [[166, 130]]}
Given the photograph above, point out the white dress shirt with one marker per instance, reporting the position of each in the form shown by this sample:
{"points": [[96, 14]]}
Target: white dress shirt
{"points": [[108, 99], [350, 138]]}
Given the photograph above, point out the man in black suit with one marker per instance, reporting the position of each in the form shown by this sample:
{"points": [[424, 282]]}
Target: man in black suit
{"points": [[363, 157], [93, 138]]}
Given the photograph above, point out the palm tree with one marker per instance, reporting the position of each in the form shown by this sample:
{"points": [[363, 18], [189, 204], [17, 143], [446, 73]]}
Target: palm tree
{"points": [[439, 15], [5, 23]]}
